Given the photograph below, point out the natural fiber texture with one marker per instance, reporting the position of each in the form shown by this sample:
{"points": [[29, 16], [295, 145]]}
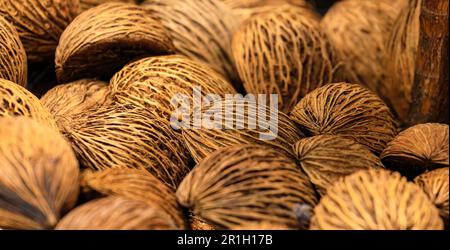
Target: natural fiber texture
{"points": [[417, 149], [40, 23], [243, 184], [115, 213], [202, 142], [89, 4], [348, 110], [103, 39], [13, 59], [435, 185], [284, 52], [359, 30], [375, 200], [38, 175], [326, 158], [198, 224], [17, 101], [200, 29], [137, 185], [127, 137], [260, 226]]}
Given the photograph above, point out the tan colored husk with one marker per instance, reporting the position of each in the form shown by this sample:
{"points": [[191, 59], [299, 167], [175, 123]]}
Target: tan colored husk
{"points": [[137, 185], [242, 184], [326, 158], [38, 175], [89, 4], [417, 149], [359, 30], [260, 226], [375, 200], [435, 185], [109, 36], [349, 110], [13, 59], [220, 133], [17, 101], [284, 52], [200, 30], [127, 137], [116, 213], [40, 23], [198, 223]]}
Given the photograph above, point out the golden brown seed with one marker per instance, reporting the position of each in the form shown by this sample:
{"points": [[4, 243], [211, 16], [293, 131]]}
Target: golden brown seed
{"points": [[38, 175]]}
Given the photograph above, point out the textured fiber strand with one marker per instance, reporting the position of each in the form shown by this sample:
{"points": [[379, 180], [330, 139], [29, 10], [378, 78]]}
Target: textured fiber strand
{"points": [[115, 213], [198, 224], [349, 110], [89, 4], [38, 175], [242, 184], [109, 35], [326, 158], [13, 59], [375, 200]]}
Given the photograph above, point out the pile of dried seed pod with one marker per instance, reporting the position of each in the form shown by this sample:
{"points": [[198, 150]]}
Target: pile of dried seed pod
{"points": [[215, 114]]}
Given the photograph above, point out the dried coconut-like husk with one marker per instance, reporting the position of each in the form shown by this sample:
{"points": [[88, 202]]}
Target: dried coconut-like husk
{"points": [[38, 175], [284, 52], [375, 200], [116, 213], [103, 39], [349, 110], [89, 4], [40, 23], [135, 184], [242, 184], [13, 59], [17, 101], [127, 137], [200, 29], [326, 158], [417, 149]]}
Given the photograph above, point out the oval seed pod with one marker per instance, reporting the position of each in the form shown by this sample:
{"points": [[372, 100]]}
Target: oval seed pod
{"points": [[135, 184], [127, 137], [109, 35], [13, 59], [417, 149], [242, 184], [40, 23], [348, 110], [17, 101], [89, 4], [375, 200], [284, 52], [200, 30], [326, 158], [38, 175], [435, 185], [115, 213]]}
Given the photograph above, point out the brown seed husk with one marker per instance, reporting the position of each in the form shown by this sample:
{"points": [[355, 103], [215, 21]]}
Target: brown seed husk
{"points": [[242, 184], [349, 110], [116, 213], [326, 158], [417, 149], [109, 35], [17, 101], [260, 226], [200, 29], [40, 23], [13, 59], [89, 4], [435, 185], [284, 52], [198, 223], [38, 175], [375, 200], [127, 137], [138, 185]]}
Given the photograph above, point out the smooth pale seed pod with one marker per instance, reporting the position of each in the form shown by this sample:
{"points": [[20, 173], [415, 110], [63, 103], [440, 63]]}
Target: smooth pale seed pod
{"points": [[115, 213], [109, 35], [326, 158], [349, 110], [243, 184], [38, 175], [375, 200]]}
